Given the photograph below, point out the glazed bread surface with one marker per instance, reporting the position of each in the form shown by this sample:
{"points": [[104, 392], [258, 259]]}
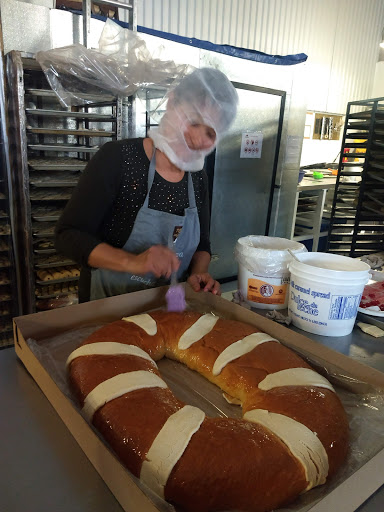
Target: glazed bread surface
{"points": [[294, 431]]}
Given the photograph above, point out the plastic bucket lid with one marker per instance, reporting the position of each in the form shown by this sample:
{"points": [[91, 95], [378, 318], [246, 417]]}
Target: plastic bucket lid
{"points": [[330, 267], [268, 243], [265, 255]]}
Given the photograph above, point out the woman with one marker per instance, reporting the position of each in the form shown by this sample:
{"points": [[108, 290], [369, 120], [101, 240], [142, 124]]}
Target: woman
{"points": [[140, 211]]}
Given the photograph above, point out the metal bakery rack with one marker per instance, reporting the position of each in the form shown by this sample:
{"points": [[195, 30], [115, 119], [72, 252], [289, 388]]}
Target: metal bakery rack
{"points": [[51, 146], [357, 217], [9, 299]]}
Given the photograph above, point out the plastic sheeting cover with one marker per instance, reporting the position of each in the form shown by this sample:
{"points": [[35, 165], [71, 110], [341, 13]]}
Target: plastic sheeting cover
{"points": [[121, 66]]}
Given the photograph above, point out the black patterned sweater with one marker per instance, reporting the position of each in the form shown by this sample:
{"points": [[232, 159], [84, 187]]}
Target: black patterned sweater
{"points": [[109, 194]]}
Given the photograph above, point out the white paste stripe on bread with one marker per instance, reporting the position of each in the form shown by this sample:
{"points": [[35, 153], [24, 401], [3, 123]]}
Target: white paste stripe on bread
{"points": [[198, 330], [304, 445], [144, 321], [168, 446], [239, 348], [106, 348], [295, 377], [118, 386]]}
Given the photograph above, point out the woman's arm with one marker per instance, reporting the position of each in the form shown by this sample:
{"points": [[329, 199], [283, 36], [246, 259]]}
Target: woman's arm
{"points": [[77, 229], [159, 260]]}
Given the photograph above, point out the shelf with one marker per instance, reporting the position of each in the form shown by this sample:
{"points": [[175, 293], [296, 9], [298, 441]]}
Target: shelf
{"points": [[44, 251], [58, 180], [46, 195], [78, 133], [48, 93], [63, 263], [59, 164], [55, 295], [357, 218], [56, 281], [65, 148], [48, 165], [92, 116]]}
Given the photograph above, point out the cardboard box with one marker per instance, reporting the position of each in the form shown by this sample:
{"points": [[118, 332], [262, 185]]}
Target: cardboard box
{"points": [[357, 377]]}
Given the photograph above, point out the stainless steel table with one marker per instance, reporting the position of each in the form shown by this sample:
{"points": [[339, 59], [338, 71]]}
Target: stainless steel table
{"points": [[313, 223], [41, 466]]}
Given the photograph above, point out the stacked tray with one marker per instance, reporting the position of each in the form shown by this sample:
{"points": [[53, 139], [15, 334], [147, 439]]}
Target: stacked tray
{"points": [[357, 217], [8, 295]]}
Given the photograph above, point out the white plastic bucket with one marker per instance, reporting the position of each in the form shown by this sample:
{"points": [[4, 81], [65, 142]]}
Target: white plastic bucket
{"points": [[325, 292], [263, 276]]}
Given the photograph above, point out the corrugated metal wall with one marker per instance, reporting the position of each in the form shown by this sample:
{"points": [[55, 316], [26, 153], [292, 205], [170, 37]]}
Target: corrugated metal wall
{"points": [[340, 37]]}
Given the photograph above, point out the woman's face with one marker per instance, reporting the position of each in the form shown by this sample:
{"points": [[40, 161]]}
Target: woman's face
{"points": [[186, 134], [199, 136], [191, 123]]}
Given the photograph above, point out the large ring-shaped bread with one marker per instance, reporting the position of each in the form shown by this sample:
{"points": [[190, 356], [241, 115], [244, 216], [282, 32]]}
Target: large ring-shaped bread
{"points": [[294, 431]]}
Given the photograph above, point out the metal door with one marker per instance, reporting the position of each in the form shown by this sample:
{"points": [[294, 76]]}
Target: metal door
{"points": [[242, 188]]}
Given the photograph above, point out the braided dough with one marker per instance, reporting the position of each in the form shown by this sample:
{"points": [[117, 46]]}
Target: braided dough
{"points": [[294, 432]]}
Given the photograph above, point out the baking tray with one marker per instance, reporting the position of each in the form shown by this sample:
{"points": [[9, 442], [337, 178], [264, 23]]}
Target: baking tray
{"points": [[63, 148], [48, 93], [346, 496], [376, 176], [374, 198], [377, 165], [56, 281], [36, 195], [62, 131], [46, 218], [43, 229], [54, 295], [53, 181], [64, 263], [44, 251], [57, 164], [64, 113], [373, 209]]}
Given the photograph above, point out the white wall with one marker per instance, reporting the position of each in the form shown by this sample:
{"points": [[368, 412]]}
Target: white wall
{"points": [[45, 3], [378, 84], [317, 151], [341, 38]]}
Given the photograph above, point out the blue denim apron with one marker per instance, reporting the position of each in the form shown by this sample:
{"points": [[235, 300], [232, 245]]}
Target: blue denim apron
{"points": [[152, 227]]}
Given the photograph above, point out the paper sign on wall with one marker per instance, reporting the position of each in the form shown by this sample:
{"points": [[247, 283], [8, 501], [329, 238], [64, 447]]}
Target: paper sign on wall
{"points": [[292, 152], [251, 144]]}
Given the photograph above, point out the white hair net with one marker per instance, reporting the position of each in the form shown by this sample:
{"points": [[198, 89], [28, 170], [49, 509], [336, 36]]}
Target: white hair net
{"points": [[204, 97]]}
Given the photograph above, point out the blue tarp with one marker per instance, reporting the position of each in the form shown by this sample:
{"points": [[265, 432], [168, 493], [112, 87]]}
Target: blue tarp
{"points": [[233, 51]]}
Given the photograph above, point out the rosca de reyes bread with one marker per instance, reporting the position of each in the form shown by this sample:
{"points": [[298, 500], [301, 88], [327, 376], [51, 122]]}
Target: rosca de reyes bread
{"points": [[294, 431]]}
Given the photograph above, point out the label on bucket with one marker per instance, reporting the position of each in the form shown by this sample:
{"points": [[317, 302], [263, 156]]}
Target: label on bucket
{"points": [[266, 293], [344, 307]]}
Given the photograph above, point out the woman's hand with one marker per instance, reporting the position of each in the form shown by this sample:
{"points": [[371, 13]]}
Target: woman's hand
{"points": [[158, 260], [204, 282]]}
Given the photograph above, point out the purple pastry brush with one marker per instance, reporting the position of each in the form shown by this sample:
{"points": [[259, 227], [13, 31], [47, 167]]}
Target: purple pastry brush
{"points": [[175, 296]]}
